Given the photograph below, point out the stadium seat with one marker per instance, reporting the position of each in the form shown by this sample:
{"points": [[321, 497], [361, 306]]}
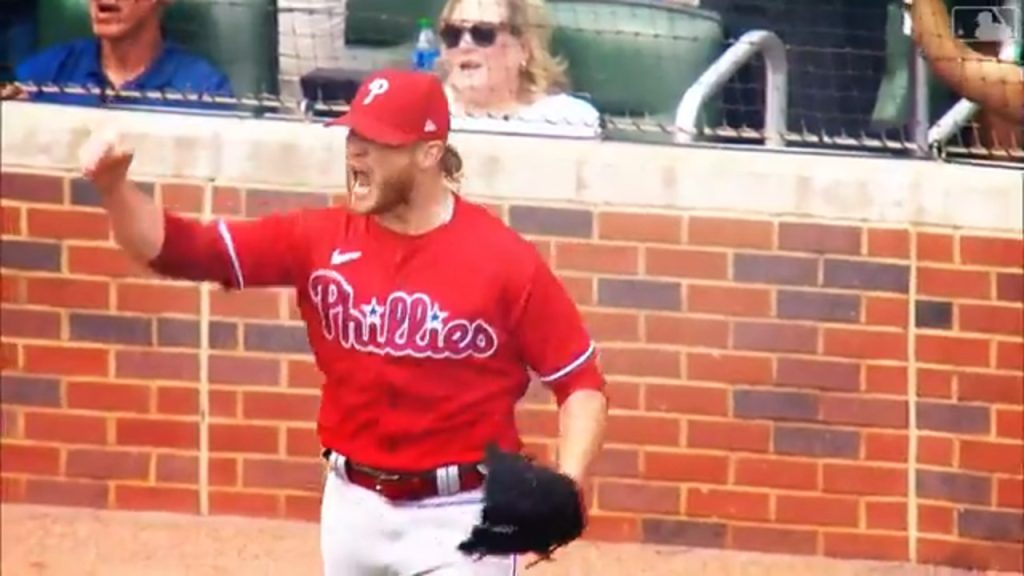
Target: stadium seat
{"points": [[239, 36], [636, 58]]}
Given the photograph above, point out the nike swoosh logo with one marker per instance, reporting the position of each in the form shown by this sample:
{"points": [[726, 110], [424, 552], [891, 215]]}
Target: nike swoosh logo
{"points": [[339, 257]]}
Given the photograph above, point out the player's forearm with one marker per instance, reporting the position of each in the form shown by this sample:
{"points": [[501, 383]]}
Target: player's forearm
{"points": [[136, 220], [582, 420]]}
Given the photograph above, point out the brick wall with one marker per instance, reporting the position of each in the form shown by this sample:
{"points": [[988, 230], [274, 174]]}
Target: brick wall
{"points": [[781, 386]]}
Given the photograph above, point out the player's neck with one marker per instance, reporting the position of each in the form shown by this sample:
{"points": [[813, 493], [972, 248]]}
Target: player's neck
{"points": [[428, 208]]}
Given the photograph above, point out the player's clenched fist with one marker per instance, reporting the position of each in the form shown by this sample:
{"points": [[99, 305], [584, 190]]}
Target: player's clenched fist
{"points": [[104, 159]]}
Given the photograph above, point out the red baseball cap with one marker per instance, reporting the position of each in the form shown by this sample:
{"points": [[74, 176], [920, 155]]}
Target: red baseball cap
{"points": [[399, 107]]}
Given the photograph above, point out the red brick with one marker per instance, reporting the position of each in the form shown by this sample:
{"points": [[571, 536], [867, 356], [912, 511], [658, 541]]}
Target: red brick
{"points": [[953, 350], [643, 430], [244, 370], [60, 492], [954, 283], [650, 362], [1010, 493], [11, 220], [640, 227], [11, 288], [686, 467], [244, 503], [864, 343], [728, 300], [725, 503], [157, 365], [65, 428], [10, 356], [180, 197], [157, 433], [61, 224], [863, 479], [730, 232], [31, 324], [108, 464], [303, 507], [775, 540], [225, 472], [228, 201], [886, 311], [1010, 423], [997, 252], [260, 405], [302, 442], [260, 304], [243, 438], [935, 383], [29, 459], [885, 379], [107, 397], [580, 288], [885, 515], [156, 498], [303, 374], [66, 360], [105, 262], [994, 457], [820, 238], [545, 249], [776, 473], [157, 298], [624, 394], [990, 319], [537, 421], [990, 387], [729, 368], [224, 403], [864, 411], [12, 489], [885, 446], [731, 436], [862, 545], [615, 496], [176, 469], [935, 450], [682, 399], [935, 247], [935, 518], [66, 292], [1010, 356], [816, 510], [598, 258], [971, 555], [604, 528], [686, 263], [177, 400], [888, 243], [686, 331], [303, 475], [611, 326]]}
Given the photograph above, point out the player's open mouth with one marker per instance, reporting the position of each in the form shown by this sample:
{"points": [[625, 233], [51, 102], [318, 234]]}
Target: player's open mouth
{"points": [[108, 7], [359, 183]]}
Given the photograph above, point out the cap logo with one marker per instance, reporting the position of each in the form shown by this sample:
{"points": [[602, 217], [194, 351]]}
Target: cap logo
{"points": [[376, 88], [430, 126]]}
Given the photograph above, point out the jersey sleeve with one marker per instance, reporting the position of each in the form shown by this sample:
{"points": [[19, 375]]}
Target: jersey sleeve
{"points": [[552, 338], [236, 254]]}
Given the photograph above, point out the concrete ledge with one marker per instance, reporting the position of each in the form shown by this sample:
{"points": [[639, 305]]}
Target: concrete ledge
{"points": [[752, 181]]}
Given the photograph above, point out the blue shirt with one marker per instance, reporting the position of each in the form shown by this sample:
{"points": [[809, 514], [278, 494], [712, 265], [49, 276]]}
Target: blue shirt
{"points": [[77, 63]]}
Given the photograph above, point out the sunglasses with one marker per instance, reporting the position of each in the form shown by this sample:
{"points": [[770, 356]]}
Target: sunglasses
{"points": [[483, 35]]}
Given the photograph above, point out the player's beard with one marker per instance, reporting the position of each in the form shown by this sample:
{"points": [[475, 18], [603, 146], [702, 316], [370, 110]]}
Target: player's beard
{"points": [[391, 193]]}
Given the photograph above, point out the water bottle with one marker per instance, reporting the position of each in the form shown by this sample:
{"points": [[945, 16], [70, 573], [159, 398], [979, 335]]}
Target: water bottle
{"points": [[427, 49]]}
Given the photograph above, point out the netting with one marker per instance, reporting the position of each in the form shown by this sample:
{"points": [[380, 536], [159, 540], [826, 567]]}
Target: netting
{"points": [[853, 75]]}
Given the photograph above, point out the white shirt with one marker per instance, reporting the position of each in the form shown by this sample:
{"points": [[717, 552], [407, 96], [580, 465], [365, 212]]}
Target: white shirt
{"points": [[552, 115]]}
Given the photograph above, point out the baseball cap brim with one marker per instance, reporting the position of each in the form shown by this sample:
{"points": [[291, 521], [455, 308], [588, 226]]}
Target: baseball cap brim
{"points": [[371, 128]]}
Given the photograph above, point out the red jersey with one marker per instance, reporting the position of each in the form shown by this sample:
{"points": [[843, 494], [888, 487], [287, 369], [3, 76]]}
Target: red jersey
{"points": [[425, 341]]}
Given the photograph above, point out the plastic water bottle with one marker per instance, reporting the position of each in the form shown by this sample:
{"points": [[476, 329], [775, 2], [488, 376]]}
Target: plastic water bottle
{"points": [[427, 49]]}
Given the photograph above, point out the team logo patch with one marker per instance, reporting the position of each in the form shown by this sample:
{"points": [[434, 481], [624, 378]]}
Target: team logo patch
{"points": [[405, 324]]}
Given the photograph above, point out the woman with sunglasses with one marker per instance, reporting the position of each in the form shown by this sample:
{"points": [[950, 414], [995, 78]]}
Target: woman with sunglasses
{"points": [[500, 74]]}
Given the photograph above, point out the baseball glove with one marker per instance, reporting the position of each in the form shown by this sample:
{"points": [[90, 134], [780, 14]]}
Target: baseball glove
{"points": [[528, 507]]}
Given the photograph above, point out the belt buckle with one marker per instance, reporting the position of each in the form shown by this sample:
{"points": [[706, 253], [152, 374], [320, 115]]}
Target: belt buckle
{"points": [[380, 477]]}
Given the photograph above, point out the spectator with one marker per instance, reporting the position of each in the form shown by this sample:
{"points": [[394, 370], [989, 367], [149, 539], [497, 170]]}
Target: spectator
{"points": [[17, 34], [128, 52], [500, 74]]}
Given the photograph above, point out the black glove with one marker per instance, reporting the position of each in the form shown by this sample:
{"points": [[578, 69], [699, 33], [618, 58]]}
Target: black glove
{"points": [[527, 508]]}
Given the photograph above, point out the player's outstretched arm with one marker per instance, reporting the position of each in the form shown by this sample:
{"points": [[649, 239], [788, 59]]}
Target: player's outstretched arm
{"points": [[258, 252]]}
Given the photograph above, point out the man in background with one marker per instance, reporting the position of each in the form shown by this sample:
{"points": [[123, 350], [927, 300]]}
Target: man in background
{"points": [[128, 53]]}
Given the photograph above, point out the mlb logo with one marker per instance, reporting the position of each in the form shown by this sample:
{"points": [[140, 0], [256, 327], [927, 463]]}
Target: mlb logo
{"points": [[986, 23]]}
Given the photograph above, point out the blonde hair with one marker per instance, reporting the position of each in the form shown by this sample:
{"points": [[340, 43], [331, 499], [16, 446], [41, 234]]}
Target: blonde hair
{"points": [[530, 21]]}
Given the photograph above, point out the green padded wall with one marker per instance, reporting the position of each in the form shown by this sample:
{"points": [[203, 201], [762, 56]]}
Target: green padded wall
{"points": [[240, 37], [636, 58], [387, 22]]}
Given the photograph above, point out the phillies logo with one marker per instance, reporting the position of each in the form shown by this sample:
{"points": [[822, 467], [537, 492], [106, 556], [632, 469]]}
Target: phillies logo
{"points": [[403, 325]]}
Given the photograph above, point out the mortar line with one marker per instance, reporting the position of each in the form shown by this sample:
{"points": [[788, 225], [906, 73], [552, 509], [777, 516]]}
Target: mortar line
{"points": [[204, 372], [912, 446]]}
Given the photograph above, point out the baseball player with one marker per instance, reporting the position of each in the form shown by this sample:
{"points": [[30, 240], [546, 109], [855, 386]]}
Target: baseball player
{"points": [[426, 315]]}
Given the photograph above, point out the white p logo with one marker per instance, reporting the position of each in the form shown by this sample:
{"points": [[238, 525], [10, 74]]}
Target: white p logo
{"points": [[376, 88]]}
